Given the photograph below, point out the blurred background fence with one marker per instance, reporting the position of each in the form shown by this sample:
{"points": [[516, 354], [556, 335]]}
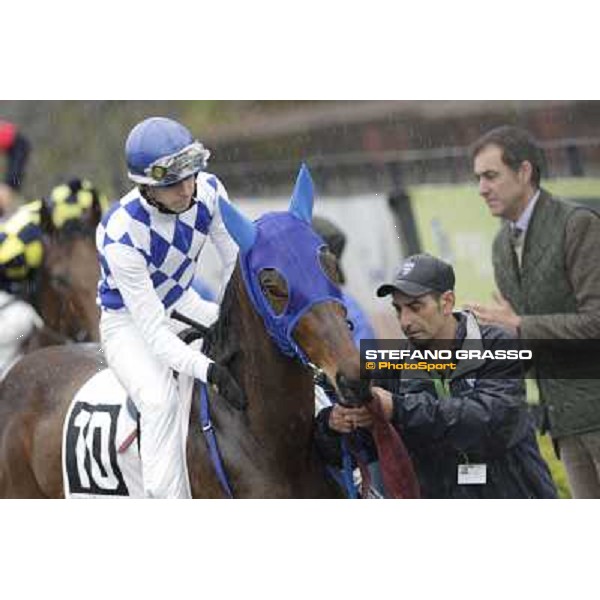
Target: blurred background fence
{"points": [[352, 147]]}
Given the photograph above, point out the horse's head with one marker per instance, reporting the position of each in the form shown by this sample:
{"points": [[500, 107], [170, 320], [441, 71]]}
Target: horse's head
{"points": [[69, 274], [292, 280]]}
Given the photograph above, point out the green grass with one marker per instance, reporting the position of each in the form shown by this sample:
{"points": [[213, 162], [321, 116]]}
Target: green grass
{"points": [[454, 223], [556, 467]]}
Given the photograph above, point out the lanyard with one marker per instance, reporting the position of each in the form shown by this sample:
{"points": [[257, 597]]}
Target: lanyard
{"points": [[442, 386]]}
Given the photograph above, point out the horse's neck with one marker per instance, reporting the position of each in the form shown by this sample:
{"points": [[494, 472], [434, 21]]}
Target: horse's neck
{"points": [[267, 449], [70, 312], [279, 390]]}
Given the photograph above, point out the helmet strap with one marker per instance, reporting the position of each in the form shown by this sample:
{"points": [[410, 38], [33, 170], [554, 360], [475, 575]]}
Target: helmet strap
{"points": [[144, 189]]}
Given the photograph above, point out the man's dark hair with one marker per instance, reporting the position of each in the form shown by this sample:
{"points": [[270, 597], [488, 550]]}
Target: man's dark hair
{"points": [[517, 146]]}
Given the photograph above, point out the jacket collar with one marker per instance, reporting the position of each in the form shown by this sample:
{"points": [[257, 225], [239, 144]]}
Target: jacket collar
{"points": [[473, 336]]}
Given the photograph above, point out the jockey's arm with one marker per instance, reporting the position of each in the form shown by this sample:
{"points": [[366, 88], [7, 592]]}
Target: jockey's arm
{"points": [[226, 247], [194, 306], [130, 273]]}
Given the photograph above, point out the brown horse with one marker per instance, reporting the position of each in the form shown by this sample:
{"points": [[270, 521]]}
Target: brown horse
{"points": [[267, 449], [64, 289]]}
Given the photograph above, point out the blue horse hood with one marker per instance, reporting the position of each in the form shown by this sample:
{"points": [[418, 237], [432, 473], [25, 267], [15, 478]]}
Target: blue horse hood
{"points": [[288, 244], [284, 241]]}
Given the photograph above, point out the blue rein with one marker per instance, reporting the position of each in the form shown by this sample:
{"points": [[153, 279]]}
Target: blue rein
{"points": [[211, 440]]}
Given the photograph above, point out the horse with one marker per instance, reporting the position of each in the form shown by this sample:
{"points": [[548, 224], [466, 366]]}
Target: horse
{"points": [[63, 290], [281, 317]]}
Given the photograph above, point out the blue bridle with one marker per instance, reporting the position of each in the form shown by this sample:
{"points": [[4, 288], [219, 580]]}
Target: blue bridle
{"points": [[286, 242]]}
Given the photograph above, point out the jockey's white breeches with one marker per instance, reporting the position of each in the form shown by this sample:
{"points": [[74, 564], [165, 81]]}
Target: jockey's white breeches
{"points": [[18, 320], [164, 410]]}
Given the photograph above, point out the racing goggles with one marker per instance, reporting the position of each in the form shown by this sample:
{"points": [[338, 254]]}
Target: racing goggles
{"points": [[169, 170]]}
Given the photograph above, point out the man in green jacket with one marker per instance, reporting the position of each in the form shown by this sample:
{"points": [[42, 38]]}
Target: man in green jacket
{"points": [[547, 268]]}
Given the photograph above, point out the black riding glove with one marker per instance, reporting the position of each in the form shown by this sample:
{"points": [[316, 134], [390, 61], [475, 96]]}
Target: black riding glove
{"points": [[226, 386]]}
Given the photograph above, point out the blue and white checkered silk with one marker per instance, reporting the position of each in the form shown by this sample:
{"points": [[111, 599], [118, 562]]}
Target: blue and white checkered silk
{"points": [[170, 244]]}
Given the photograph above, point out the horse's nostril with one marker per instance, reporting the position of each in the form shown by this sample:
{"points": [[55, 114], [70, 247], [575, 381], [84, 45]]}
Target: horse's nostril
{"points": [[354, 391]]}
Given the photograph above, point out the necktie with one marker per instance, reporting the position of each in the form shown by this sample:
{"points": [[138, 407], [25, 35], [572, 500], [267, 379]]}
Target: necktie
{"points": [[517, 242]]}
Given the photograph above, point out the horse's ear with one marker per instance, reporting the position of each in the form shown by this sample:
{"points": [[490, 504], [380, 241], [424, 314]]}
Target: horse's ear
{"points": [[301, 203], [46, 222], [240, 228], [95, 211]]}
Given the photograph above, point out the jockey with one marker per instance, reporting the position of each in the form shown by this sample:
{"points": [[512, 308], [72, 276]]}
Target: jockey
{"points": [[16, 148], [21, 255], [149, 243]]}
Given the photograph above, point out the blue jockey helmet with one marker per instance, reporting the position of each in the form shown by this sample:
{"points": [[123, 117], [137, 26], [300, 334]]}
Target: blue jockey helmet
{"points": [[161, 152]]}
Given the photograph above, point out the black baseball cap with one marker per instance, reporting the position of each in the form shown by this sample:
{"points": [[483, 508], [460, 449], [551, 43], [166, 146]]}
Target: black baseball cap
{"points": [[420, 274]]}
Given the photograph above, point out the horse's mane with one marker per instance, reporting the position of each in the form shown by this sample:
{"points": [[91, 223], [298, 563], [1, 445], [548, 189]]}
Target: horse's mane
{"points": [[221, 343], [73, 228]]}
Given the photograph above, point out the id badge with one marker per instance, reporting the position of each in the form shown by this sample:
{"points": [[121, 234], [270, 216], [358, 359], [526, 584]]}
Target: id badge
{"points": [[472, 474]]}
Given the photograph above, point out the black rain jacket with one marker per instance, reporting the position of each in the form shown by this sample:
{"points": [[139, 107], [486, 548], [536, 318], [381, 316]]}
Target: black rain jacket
{"points": [[481, 418]]}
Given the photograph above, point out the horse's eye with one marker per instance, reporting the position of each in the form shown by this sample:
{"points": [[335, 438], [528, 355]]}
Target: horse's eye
{"points": [[330, 265], [275, 289]]}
